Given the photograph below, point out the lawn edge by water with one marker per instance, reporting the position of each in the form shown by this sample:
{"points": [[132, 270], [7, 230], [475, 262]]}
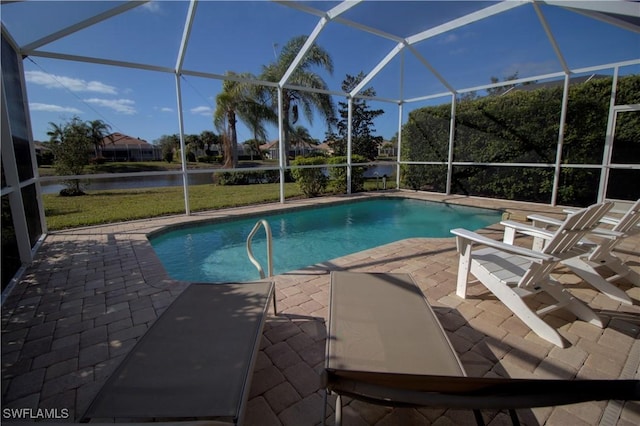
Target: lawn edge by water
{"points": [[102, 207]]}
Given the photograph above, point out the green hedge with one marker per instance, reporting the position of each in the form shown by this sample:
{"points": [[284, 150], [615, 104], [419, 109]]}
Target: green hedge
{"points": [[247, 178], [338, 175], [522, 127], [312, 181]]}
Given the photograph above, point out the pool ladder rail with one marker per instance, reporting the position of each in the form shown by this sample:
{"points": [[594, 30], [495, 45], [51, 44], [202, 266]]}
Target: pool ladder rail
{"points": [[252, 258]]}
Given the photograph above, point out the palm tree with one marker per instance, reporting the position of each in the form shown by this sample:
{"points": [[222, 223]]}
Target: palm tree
{"points": [[56, 132], [98, 131], [239, 100], [300, 137], [303, 75]]}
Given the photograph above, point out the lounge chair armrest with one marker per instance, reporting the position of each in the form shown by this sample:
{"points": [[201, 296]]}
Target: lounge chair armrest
{"points": [[526, 229], [610, 220], [522, 251], [607, 233], [545, 219]]}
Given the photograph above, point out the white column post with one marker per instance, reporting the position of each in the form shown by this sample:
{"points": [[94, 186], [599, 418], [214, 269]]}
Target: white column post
{"points": [[400, 114], [452, 132], [281, 144], [608, 144], [183, 151], [563, 117], [349, 141]]}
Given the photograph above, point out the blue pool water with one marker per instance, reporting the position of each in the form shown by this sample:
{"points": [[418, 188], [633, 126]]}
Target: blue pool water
{"points": [[217, 252]]}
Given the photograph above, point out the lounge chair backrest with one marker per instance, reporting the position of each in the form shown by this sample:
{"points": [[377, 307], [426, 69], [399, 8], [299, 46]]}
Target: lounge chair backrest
{"points": [[630, 220], [565, 238], [575, 227]]}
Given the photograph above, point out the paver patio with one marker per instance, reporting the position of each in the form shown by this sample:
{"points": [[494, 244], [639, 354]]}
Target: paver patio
{"points": [[92, 292]]}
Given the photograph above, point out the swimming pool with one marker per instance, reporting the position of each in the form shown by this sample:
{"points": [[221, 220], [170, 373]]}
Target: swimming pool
{"points": [[216, 252]]}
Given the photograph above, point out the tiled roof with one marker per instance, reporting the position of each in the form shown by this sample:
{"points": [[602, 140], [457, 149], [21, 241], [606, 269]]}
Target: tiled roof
{"points": [[120, 139]]}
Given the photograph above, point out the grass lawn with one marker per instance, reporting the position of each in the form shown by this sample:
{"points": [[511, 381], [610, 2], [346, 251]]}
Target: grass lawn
{"points": [[98, 207]]}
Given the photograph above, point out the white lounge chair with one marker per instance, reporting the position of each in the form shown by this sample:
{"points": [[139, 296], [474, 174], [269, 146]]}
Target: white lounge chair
{"points": [[512, 273], [591, 254]]}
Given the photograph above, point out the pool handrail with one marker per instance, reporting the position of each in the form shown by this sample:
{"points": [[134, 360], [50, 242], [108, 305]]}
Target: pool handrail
{"points": [[267, 230]]}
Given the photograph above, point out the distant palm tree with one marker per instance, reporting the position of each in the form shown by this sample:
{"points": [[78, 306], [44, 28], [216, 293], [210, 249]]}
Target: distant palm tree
{"points": [[300, 137], [294, 100], [98, 132], [239, 100], [56, 132]]}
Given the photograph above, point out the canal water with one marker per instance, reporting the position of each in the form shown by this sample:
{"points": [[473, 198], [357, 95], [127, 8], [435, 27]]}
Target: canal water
{"points": [[54, 187]]}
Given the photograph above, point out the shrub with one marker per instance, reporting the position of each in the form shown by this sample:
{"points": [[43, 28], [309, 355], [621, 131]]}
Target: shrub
{"points": [[312, 181], [206, 159], [45, 158], [247, 178], [338, 175]]}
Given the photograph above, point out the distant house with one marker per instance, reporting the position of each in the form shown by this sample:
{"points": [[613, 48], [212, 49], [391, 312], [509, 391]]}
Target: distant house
{"points": [[387, 149], [119, 147]]}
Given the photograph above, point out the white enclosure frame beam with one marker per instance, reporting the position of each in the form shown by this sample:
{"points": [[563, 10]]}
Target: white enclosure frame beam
{"points": [[26, 50], [466, 20], [392, 54], [603, 11], [349, 141], [281, 148], [12, 179], [430, 67], [563, 119], [452, 133], [193, 5], [552, 39], [100, 61], [400, 119], [608, 144], [183, 151], [179, 62], [303, 51], [333, 13], [398, 156]]}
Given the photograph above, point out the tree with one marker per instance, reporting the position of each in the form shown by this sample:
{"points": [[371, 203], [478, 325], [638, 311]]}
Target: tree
{"points": [[71, 144], [300, 137], [239, 100], [294, 101], [497, 91], [362, 140], [210, 140], [98, 131], [56, 132], [168, 144], [193, 144], [254, 148]]}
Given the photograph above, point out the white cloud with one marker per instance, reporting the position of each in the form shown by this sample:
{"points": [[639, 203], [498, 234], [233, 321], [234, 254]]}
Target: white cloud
{"points": [[36, 106], [122, 106], [152, 6], [166, 109], [448, 38], [202, 110], [51, 81]]}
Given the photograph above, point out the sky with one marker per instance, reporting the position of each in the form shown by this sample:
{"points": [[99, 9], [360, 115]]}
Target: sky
{"points": [[244, 36]]}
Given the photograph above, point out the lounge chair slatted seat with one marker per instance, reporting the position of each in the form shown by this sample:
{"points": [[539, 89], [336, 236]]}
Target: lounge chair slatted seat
{"points": [[195, 362]]}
